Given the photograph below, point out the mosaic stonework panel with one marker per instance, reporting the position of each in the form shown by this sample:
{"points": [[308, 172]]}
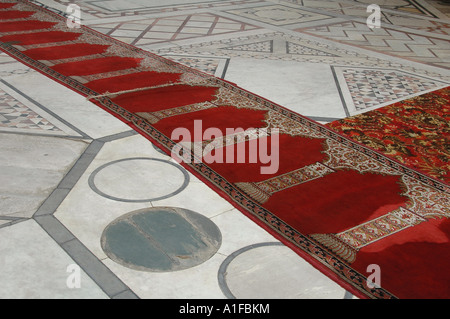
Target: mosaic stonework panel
{"points": [[278, 15], [263, 46], [388, 17], [293, 48], [406, 6], [14, 114], [89, 7], [212, 65], [371, 88], [442, 6], [430, 26], [407, 45], [157, 30]]}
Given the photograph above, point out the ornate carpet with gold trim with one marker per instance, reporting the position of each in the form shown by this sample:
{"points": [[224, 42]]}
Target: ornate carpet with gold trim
{"points": [[415, 132], [341, 205]]}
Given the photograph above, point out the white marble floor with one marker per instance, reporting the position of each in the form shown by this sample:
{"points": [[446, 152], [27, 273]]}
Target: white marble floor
{"points": [[68, 170]]}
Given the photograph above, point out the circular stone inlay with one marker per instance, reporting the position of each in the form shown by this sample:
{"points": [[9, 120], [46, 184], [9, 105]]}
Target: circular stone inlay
{"points": [[161, 239], [139, 179], [266, 270]]}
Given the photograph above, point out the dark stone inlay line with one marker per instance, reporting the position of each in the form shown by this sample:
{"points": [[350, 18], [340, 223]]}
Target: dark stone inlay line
{"points": [[221, 276], [91, 181], [111, 285], [11, 220], [82, 134]]}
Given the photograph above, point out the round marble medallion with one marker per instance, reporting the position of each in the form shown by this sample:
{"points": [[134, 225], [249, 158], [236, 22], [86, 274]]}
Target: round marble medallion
{"points": [[161, 239]]}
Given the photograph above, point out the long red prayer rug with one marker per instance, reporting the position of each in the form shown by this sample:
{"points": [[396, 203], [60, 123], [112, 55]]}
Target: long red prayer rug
{"points": [[343, 206]]}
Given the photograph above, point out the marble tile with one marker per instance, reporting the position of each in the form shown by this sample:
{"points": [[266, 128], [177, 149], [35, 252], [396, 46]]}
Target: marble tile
{"points": [[216, 66], [10, 67], [278, 15], [365, 89], [87, 214], [239, 231], [77, 209], [127, 147], [139, 179], [189, 199], [172, 28], [266, 45], [35, 267], [404, 6], [308, 89], [293, 52], [25, 183], [68, 105], [405, 44], [117, 5], [265, 272], [19, 114], [441, 6], [96, 10], [199, 282]]}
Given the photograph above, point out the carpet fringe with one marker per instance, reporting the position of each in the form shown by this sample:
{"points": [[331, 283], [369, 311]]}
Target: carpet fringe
{"points": [[254, 192], [343, 250]]}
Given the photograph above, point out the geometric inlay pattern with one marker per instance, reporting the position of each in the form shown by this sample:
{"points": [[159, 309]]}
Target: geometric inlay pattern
{"points": [[157, 30], [370, 88], [407, 6], [147, 7], [207, 65], [389, 17], [294, 48], [322, 53], [263, 46], [408, 45], [14, 114], [279, 15], [433, 27], [442, 6]]}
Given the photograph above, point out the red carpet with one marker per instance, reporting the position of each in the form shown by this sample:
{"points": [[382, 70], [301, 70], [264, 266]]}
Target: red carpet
{"points": [[41, 37], [341, 205], [416, 132]]}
